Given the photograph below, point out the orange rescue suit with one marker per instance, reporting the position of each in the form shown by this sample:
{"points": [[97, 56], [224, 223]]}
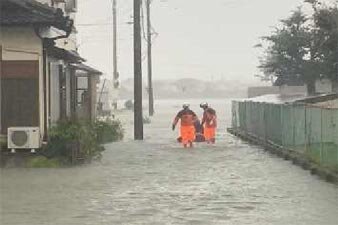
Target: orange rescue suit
{"points": [[187, 117], [210, 124]]}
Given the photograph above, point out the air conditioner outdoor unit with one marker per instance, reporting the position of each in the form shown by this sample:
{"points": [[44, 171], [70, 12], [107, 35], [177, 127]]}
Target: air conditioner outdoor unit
{"points": [[23, 138]]}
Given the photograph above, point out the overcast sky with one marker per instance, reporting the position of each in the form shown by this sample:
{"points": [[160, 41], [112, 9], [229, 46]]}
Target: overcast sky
{"points": [[202, 39]]}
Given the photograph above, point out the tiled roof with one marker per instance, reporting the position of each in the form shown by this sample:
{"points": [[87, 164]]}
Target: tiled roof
{"points": [[60, 53], [31, 12]]}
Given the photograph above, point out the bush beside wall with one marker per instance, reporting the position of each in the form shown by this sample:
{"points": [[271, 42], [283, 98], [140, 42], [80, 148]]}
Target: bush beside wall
{"points": [[72, 142]]}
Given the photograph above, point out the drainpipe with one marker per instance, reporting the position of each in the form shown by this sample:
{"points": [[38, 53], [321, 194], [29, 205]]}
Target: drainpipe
{"points": [[44, 68]]}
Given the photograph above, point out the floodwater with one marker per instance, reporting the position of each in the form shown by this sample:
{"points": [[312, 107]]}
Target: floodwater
{"points": [[158, 182]]}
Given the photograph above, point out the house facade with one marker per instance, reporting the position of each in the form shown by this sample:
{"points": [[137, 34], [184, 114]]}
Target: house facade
{"points": [[40, 65]]}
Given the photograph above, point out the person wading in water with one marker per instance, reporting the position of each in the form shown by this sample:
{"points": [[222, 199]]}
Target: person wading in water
{"points": [[209, 123], [188, 118]]}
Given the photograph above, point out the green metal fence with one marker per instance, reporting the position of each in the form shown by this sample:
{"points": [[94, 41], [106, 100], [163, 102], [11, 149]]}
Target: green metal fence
{"points": [[309, 130]]}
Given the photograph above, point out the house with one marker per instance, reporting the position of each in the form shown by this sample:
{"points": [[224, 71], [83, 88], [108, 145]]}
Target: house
{"points": [[322, 86], [86, 79], [41, 71]]}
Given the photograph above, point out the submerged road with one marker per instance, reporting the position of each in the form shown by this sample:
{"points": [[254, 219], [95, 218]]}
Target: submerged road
{"points": [[158, 182]]}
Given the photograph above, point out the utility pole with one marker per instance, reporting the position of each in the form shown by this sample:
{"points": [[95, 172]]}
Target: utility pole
{"points": [[138, 114], [115, 72], [150, 69]]}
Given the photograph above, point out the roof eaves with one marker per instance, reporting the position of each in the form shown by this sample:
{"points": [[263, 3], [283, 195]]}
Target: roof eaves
{"points": [[67, 55], [31, 12], [86, 68]]}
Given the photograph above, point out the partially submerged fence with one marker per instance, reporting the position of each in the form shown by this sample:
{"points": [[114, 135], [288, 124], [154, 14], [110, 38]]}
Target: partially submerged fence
{"points": [[308, 130]]}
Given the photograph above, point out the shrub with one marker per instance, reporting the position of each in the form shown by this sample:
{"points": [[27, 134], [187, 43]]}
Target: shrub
{"points": [[108, 131], [60, 138], [3, 143], [70, 141]]}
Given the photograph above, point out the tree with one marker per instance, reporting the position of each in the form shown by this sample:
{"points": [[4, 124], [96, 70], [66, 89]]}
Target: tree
{"points": [[304, 49], [324, 49], [287, 55]]}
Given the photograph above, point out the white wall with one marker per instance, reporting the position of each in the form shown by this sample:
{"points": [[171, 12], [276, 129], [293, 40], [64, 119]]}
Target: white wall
{"points": [[54, 92], [20, 43], [69, 43], [68, 93], [323, 86]]}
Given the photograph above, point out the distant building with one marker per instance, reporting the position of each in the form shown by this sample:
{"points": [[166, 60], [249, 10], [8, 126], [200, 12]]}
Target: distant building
{"points": [[282, 90], [322, 86]]}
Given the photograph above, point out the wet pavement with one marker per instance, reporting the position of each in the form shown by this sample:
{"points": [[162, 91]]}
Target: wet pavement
{"points": [[158, 182]]}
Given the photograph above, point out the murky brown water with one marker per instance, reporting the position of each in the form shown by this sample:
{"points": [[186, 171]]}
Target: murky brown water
{"points": [[157, 182]]}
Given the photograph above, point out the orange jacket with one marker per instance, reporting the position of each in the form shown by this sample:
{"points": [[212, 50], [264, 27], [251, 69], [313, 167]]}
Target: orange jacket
{"points": [[187, 117], [209, 118]]}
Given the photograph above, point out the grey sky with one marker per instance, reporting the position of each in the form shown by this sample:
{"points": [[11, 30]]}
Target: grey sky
{"points": [[202, 39]]}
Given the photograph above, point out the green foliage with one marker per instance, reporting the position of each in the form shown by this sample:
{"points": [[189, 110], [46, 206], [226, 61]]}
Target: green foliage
{"points": [[325, 44], [42, 162], [303, 48], [108, 131], [60, 140], [3, 143], [288, 47], [69, 140]]}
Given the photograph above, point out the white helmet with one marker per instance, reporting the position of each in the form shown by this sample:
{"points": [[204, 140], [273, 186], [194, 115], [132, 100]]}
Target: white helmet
{"points": [[186, 106], [204, 105]]}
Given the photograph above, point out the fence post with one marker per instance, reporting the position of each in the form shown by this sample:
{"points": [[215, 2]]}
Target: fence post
{"points": [[305, 130], [247, 118], [321, 136], [264, 122], [266, 106], [293, 127], [336, 141], [282, 122]]}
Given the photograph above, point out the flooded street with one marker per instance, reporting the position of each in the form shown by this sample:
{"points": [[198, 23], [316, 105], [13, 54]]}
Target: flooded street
{"points": [[158, 182]]}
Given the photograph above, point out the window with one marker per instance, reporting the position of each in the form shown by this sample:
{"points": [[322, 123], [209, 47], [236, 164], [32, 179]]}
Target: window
{"points": [[81, 90]]}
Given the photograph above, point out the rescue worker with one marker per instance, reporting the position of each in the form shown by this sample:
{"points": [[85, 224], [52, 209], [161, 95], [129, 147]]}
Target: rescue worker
{"points": [[187, 118], [209, 123], [199, 137]]}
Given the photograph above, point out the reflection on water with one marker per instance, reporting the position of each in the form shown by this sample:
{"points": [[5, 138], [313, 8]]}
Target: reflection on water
{"points": [[158, 182]]}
